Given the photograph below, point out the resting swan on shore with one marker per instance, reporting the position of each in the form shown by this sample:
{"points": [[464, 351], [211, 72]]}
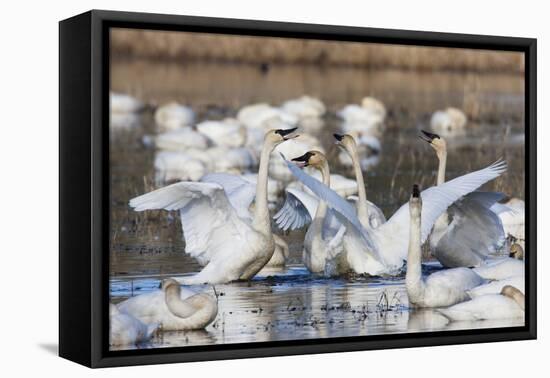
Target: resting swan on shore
{"points": [[219, 230]]}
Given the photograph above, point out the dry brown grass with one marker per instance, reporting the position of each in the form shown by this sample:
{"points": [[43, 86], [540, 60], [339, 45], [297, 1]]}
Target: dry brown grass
{"points": [[247, 49]]}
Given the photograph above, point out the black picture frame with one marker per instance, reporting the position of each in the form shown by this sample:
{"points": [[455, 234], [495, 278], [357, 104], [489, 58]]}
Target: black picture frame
{"points": [[84, 187]]}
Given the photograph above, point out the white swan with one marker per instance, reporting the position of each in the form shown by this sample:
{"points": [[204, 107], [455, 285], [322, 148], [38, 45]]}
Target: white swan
{"points": [[174, 308], [308, 110], [495, 287], [280, 254], [368, 213], [225, 133], [440, 289], [173, 116], [180, 140], [469, 230], [509, 304], [262, 116], [124, 103], [449, 122], [124, 329], [367, 118], [219, 231], [184, 166], [501, 269], [514, 220], [323, 239], [382, 250]]}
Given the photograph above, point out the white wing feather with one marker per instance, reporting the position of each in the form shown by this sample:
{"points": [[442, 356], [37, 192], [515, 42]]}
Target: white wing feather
{"points": [[207, 217]]}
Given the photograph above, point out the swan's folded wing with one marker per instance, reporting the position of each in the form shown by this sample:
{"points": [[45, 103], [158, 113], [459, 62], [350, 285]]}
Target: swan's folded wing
{"points": [[207, 217], [342, 209], [474, 227], [437, 199], [239, 191], [298, 210]]}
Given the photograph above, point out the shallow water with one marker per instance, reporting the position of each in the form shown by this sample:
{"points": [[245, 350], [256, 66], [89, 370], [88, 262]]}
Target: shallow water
{"points": [[293, 304]]}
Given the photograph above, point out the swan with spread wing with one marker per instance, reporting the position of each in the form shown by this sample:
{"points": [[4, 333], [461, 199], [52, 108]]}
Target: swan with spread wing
{"points": [[466, 233], [383, 250], [219, 230]]}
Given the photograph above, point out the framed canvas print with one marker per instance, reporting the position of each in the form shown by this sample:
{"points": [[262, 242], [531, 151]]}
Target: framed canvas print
{"points": [[234, 188]]}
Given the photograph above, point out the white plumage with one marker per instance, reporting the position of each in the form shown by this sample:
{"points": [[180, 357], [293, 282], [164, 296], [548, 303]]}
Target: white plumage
{"points": [[125, 329], [226, 133], [383, 250], [501, 269], [173, 116], [496, 287]]}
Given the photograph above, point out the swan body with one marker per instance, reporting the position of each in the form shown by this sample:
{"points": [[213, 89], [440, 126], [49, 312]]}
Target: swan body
{"points": [[219, 230], [496, 287], [514, 221], [178, 166], [173, 116], [262, 116], [367, 118], [501, 269], [123, 103], [440, 289], [509, 304], [304, 107], [125, 329], [280, 254], [449, 122], [226, 133], [180, 140], [384, 249], [469, 231], [174, 308]]}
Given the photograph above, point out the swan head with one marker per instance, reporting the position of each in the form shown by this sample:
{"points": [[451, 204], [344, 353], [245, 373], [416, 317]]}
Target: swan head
{"points": [[415, 202], [516, 251], [169, 283], [345, 141], [278, 136], [435, 141], [515, 294], [314, 159]]}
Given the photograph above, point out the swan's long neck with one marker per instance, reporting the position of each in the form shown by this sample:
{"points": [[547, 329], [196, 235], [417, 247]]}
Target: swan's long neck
{"points": [[322, 208], [442, 156], [176, 305], [362, 208], [261, 221], [413, 279]]}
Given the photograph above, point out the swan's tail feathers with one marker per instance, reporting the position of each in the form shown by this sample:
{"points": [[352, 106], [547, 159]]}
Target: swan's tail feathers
{"points": [[173, 197]]}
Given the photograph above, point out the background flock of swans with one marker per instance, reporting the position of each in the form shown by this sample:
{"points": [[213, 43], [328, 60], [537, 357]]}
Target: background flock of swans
{"points": [[242, 183]]}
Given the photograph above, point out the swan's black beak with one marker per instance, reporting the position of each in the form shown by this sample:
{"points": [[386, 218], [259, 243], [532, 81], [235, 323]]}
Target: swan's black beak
{"points": [[339, 138], [286, 133], [416, 191], [303, 161], [427, 136]]}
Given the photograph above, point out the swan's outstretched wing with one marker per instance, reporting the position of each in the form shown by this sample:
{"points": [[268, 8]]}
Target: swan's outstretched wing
{"points": [[298, 210], [239, 191], [435, 201], [343, 210], [207, 217], [475, 230]]}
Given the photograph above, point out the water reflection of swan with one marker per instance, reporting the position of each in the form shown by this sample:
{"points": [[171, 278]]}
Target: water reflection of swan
{"points": [[509, 304], [224, 237], [382, 250], [172, 307], [125, 329], [368, 213], [469, 231], [440, 289], [426, 319]]}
